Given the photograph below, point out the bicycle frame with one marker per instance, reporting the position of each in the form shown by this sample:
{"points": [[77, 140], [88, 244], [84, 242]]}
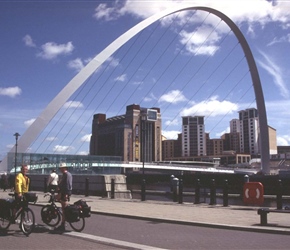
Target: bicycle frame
{"points": [[19, 209], [51, 215], [22, 206]]}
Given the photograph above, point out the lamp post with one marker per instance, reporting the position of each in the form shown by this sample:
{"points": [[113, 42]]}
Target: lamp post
{"points": [[143, 119], [16, 144]]}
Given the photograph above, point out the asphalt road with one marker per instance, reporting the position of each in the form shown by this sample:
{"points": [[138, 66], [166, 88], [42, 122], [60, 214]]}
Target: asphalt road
{"points": [[110, 232]]}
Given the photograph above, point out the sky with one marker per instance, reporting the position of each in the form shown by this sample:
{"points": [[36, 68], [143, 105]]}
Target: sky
{"points": [[186, 64]]}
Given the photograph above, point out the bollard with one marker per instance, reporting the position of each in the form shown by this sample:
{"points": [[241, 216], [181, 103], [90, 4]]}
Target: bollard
{"points": [[279, 195], [175, 187], [45, 184], [171, 182], [212, 193], [113, 189], [180, 193], [226, 194], [143, 187], [87, 187], [246, 180], [197, 192]]}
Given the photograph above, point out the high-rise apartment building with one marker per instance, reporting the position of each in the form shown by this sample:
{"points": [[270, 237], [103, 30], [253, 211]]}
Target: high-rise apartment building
{"points": [[249, 131], [193, 136], [235, 126], [215, 147], [134, 135], [232, 140]]}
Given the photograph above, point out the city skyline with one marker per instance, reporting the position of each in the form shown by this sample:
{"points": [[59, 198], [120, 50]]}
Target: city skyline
{"points": [[46, 43]]}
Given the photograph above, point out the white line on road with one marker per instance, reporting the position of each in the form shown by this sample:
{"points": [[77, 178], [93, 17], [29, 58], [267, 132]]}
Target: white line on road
{"points": [[112, 241]]}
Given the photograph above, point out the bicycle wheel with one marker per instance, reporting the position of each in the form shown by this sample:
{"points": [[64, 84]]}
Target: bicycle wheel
{"points": [[4, 223], [78, 226], [27, 221], [50, 215]]}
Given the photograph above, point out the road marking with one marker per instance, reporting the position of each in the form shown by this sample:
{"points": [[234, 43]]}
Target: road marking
{"points": [[112, 241]]}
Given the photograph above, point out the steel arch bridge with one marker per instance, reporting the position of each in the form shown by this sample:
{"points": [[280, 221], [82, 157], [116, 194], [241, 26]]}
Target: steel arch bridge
{"points": [[53, 107]]}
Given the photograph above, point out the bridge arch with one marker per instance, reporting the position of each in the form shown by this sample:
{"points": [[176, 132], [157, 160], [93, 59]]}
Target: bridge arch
{"points": [[54, 106]]}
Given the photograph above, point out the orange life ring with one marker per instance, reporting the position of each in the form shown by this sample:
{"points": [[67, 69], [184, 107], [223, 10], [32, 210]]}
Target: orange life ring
{"points": [[253, 193]]}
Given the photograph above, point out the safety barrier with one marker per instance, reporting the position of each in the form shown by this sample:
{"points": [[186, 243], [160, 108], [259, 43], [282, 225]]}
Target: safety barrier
{"points": [[175, 191]]}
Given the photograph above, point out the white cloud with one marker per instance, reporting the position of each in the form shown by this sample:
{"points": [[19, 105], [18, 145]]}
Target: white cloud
{"points": [[247, 13], [173, 96], [73, 104], [86, 138], [201, 41], [256, 11], [227, 130], [11, 91], [52, 138], [276, 72], [62, 149], [113, 61], [282, 39], [83, 153], [29, 122], [104, 12], [283, 140], [172, 122], [52, 50], [121, 78], [212, 107], [141, 9], [76, 64], [149, 98], [170, 135], [28, 41]]}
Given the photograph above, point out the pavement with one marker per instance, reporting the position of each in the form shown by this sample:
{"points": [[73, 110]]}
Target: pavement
{"points": [[232, 217]]}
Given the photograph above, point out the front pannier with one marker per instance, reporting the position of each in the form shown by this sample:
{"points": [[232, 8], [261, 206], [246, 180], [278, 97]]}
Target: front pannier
{"points": [[30, 197]]}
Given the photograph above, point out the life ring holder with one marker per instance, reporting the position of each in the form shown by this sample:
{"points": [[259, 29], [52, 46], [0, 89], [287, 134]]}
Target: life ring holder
{"points": [[253, 193]]}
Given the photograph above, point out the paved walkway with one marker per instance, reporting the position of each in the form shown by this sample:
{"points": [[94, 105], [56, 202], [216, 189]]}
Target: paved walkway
{"points": [[231, 217]]}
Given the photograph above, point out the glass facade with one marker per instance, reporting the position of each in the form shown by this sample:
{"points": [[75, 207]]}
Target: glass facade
{"points": [[77, 164]]}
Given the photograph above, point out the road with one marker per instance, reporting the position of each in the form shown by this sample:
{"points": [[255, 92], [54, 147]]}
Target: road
{"points": [[109, 232]]}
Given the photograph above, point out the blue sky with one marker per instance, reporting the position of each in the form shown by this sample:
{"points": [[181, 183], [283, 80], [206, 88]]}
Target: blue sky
{"points": [[186, 64]]}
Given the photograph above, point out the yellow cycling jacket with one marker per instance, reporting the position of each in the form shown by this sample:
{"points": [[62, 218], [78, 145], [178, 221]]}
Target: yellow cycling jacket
{"points": [[21, 184]]}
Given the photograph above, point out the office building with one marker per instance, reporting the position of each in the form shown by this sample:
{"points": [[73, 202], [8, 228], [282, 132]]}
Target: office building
{"points": [[171, 148], [272, 141], [134, 135]]}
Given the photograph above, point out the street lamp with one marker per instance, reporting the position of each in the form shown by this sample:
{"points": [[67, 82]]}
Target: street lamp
{"points": [[15, 163], [143, 119], [148, 115]]}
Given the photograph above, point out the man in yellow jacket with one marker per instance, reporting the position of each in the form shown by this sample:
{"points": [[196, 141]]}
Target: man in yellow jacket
{"points": [[22, 182], [21, 186]]}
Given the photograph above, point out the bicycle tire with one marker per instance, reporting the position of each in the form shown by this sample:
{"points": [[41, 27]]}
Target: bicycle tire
{"points": [[27, 222], [50, 215], [4, 223], [78, 226]]}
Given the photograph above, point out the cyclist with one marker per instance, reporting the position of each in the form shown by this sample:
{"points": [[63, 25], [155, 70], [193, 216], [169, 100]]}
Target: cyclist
{"points": [[22, 182], [64, 193], [21, 185], [52, 181]]}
